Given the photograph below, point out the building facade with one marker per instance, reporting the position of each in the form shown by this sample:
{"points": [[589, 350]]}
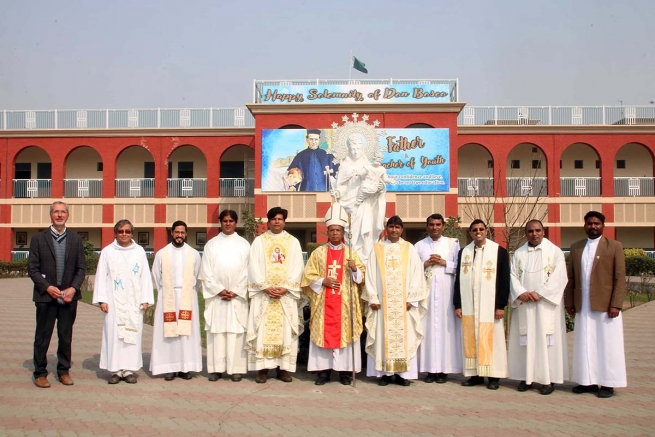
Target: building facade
{"points": [[157, 166]]}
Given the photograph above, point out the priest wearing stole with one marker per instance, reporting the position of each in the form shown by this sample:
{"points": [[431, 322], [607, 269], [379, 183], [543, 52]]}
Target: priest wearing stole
{"points": [[224, 276], [333, 278], [123, 290], [274, 323], [396, 294], [538, 349], [176, 341], [481, 293]]}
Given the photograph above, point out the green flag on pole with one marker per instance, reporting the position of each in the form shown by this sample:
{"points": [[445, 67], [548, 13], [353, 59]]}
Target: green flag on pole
{"points": [[359, 65]]}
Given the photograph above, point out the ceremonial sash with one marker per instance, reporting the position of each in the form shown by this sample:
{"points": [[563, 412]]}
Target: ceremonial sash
{"points": [[392, 263], [547, 310], [176, 326], [478, 332], [334, 267], [126, 293]]}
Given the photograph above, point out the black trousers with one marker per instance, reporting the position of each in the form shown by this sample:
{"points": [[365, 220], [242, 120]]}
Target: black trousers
{"points": [[46, 315]]}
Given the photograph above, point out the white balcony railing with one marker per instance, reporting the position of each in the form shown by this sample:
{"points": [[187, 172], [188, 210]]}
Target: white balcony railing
{"points": [[580, 187], [155, 118], [82, 187], [143, 187], [475, 187], [527, 186], [187, 187], [626, 187], [32, 188], [151, 118], [237, 187], [18, 255], [556, 115]]}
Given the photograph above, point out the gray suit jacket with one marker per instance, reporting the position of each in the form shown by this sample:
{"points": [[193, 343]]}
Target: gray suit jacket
{"points": [[607, 282], [42, 267]]}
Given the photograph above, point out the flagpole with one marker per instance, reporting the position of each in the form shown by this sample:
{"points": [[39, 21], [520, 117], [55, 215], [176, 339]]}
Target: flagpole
{"points": [[352, 302], [350, 65]]}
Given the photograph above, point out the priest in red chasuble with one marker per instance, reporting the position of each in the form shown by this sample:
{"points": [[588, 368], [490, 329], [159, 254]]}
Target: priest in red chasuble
{"points": [[333, 278]]}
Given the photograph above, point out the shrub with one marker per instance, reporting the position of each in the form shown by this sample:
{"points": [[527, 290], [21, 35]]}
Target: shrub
{"points": [[638, 265], [634, 252]]}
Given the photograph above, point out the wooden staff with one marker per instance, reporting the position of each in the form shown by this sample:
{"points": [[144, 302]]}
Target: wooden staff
{"points": [[352, 301]]}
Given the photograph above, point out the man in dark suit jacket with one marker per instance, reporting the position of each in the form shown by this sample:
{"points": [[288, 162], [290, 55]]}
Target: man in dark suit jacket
{"points": [[57, 267], [594, 295]]}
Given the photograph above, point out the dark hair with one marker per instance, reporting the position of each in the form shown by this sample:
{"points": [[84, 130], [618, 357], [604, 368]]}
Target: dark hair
{"points": [[476, 222], [121, 223], [233, 215], [395, 220], [313, 131], [435, 217], [275, 211], [178, 223], [600, 216], [534, 221]]}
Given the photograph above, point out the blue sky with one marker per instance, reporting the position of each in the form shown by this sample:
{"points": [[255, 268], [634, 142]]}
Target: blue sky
{"points": [[144, 53]]}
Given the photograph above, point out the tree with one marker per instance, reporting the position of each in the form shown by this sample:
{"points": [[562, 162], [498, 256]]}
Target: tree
{"points": [[251, 225]]}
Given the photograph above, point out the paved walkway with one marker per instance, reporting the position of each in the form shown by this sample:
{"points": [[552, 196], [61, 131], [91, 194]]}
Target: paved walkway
{"points": [[154, 407]]}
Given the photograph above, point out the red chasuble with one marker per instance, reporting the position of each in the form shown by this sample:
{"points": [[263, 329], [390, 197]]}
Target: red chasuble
{"points": [[332, 311]]}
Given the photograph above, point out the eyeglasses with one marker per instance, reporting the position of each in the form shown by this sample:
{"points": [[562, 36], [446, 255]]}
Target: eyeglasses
{"points": [[123, 231], [478, 229]]}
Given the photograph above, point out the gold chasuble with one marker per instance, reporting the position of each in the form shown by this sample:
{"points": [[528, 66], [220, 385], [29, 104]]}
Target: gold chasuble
{"points": [[274, 324], [330, 322], [394, 278]]}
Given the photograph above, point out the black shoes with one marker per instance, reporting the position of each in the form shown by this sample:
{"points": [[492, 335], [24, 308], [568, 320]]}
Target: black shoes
{"points": [[432, 377], [345, 378], [547, 389], [523, 386], [115, 379], [385, 380], [213, 377], [473, 380], [493, 383], [606, 392], [236, 377], [401, 381], [184, 375], [323, 377], [441, 378], [578, 389]]}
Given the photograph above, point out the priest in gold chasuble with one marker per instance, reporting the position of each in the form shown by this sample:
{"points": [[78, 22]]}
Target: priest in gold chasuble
{"points": [[396, 293], [481, 295], [333, 278], [275, 268]]}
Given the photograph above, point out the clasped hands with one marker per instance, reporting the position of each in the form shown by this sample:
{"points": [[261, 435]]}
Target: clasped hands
{"points": [[66, 295], [275, 292], [227, 295], [435, 260], [529, 296]]}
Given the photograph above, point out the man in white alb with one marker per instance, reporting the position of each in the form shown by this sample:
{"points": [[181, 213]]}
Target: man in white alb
{"points": [[123, 290], [224, 276], [538, 349], [441, 349], [176, 341]]}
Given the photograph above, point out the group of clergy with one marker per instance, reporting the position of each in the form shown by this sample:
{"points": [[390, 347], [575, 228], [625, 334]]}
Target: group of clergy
{"points": [[430, 307]]}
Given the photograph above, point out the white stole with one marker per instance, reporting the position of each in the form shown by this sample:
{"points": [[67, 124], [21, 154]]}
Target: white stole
{"points": [[478, 326], [548, 251], [176, 326], [126, 295]]}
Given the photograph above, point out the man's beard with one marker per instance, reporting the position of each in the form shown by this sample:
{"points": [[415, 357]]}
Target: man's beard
{"points": [[176, 244]]}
